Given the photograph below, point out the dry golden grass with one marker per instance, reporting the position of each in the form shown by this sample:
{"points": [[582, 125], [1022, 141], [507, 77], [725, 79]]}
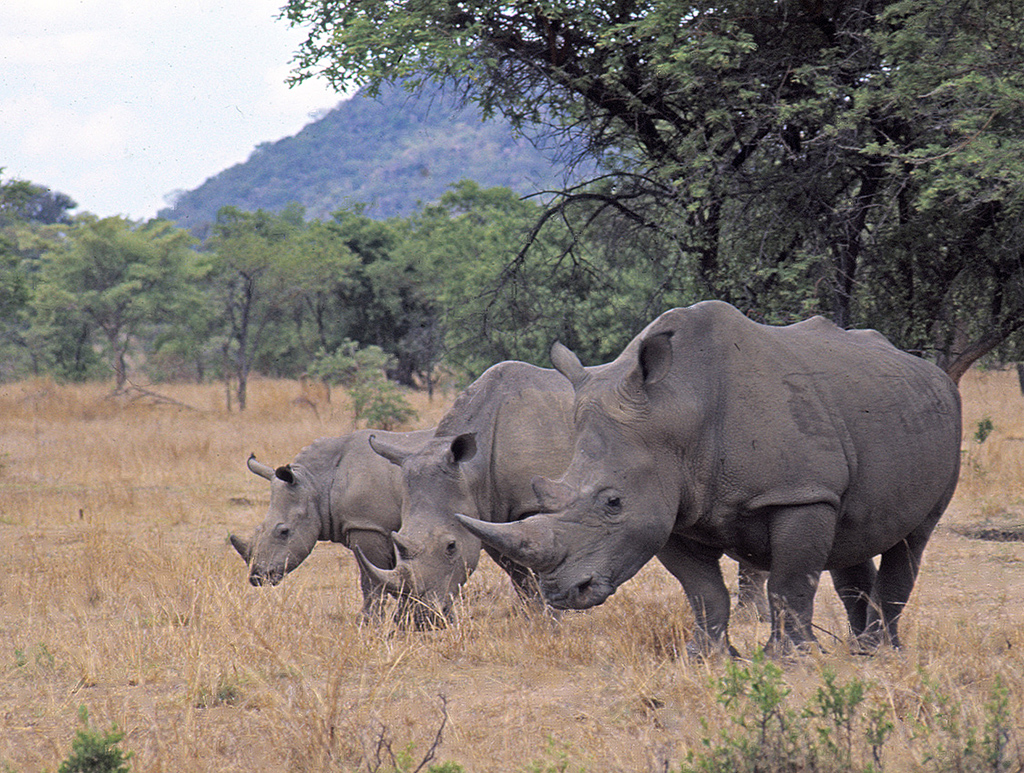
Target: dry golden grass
{"points": [[119, 592]]}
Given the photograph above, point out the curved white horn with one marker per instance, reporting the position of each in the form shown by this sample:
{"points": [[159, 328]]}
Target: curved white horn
{"points": [[243, 548], [392, 580], [263, 470], [530, 542], [393, 453]]}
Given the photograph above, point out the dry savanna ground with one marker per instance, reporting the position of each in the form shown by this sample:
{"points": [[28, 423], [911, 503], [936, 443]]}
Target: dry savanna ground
{"points": [[119, 592]]}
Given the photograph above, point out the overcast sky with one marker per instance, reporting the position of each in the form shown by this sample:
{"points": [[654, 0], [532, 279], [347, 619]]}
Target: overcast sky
{"points": [[118, 103]]}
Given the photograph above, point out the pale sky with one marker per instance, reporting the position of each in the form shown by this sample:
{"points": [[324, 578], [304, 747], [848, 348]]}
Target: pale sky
{"points": [[118, 103]]}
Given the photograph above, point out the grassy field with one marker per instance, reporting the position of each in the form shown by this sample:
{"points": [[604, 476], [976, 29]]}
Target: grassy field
{"points": [[119, 592]]}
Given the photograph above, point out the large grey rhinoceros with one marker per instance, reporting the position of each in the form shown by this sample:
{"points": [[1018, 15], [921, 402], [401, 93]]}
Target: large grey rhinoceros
{"points": [[799, 449], [511, 424], [337, 490]]}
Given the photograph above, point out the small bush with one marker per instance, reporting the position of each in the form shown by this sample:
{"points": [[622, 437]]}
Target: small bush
{"points": [[375, 400], [839, 730], [985, 427], [95, 752]]}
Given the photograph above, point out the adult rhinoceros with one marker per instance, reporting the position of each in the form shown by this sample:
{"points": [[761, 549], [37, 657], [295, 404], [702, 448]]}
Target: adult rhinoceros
{"points": [[337, 490], [510, 425], [799, 449]]}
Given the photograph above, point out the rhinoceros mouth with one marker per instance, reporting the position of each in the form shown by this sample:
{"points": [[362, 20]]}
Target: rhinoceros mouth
{"points": [[586, 593], [258, 579]]}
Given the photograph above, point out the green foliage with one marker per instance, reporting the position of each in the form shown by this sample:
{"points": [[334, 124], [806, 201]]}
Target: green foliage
{"points": [[113, 279], [984, 429], [863, 160], [767, 734], [363, 372], [93, 751], [841, 728], [557, 759]]}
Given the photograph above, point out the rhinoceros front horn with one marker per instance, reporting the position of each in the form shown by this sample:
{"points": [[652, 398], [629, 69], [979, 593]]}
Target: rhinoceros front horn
{"points": [[392, 580], [393, 453], [243, 548], [263, 470], [530, 542]]}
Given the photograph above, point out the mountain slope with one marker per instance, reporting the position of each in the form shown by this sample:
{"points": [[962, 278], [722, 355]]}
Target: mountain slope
{"points": [[390, 153]]}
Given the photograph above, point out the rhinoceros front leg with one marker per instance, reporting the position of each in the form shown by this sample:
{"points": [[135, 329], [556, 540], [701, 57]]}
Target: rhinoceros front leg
{"points": [[801, 539], [698, 570], [378, 548]]}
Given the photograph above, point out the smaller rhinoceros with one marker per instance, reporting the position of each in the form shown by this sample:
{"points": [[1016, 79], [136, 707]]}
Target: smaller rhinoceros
{"points": [[510, 425], [338, 490]]}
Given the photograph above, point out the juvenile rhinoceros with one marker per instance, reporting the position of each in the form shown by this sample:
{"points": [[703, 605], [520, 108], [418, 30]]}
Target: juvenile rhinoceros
{"points": [[337, 490], [510, 425], [799, 449]]}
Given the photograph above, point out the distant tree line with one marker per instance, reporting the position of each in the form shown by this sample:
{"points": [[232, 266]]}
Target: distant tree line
{"points": [[85, 297]]}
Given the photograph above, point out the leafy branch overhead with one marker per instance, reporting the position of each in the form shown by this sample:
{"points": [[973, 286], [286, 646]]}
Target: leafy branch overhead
{"points": [[860, 159]]}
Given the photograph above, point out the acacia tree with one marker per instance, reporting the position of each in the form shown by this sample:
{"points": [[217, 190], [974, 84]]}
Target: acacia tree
{"points": [[114, 276], [858, 158], [249, 262]]}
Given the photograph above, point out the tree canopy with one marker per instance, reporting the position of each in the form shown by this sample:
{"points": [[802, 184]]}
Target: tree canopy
{"points": [[862, 159]]}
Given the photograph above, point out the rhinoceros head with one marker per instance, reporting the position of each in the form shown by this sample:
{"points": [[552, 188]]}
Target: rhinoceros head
{"points": [[434, 554], [290, 529], [615, 506]]}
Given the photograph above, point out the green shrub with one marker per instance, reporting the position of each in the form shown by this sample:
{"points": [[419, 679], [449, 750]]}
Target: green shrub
{"points": [[840, 730], [95, 752], [985, 427], [375, 400]]}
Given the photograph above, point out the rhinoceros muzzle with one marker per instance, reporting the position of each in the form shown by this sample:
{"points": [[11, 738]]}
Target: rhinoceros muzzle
{"points": [[258, 579], [587, 592]]}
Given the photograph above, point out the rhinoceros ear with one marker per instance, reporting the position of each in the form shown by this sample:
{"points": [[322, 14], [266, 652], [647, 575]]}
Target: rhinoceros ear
{"points": [[463, 447], [285, 473], [391, 452], [655, 357], [568, 364]]}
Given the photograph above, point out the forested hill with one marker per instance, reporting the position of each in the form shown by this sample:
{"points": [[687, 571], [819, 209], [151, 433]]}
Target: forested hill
{"points": [[390, 153]]}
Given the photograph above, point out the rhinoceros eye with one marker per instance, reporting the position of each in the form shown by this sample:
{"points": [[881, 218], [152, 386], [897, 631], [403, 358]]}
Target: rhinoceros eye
{"points": [[451, 549], [281, 531], [612, 503]]}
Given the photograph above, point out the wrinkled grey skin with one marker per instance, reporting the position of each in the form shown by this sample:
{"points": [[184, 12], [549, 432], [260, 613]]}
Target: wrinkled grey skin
{"points": [[799, 449], [512, 424], [336, 490]]}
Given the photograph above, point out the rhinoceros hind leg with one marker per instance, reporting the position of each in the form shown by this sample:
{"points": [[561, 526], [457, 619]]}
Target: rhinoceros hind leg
{"points": [[854, 585], [897, 573], [801, 538]]}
